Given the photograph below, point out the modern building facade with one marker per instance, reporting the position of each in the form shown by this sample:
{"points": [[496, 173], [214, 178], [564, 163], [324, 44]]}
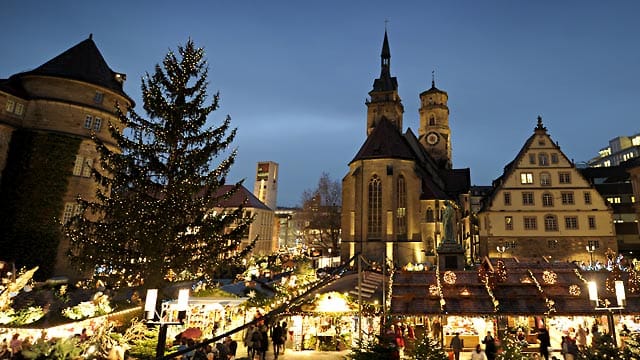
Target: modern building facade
{"points": [[60, 104], [543, 206], [399, 184], [620, 149]]}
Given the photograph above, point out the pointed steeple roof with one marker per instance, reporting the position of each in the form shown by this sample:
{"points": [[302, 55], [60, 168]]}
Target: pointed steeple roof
{"points": [[385, 142], [385, 82], [82, 62]]}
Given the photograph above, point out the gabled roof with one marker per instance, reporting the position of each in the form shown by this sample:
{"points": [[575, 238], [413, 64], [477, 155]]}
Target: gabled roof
{"points": [[385, 142], [242, 197], [82, 62]]}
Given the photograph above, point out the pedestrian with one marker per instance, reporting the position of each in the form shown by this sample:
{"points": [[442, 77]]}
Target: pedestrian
{"points": [[581, 337], [247, 340], [264, 343], [456, 346], [285, 333], [572, 348], [276, 338], [256, 344], [545, 342], [233, 347], [490, 347], [478, 354]]}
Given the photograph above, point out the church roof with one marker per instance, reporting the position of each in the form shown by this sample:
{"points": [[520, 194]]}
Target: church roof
{"points": [[433, 89], [385, 142], [82, 62], [242, 197]]}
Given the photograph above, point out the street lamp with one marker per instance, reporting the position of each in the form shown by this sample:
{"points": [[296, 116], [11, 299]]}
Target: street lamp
{"points": [[501, 249], [603, 305], [591, 248], [154, 318]]}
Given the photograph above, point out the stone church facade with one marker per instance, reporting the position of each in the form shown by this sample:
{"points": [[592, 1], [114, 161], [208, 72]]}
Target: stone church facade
{"points": [[399, 184]]}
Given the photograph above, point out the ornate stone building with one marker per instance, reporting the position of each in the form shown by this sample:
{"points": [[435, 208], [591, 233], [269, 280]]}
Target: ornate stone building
{"points": [[70, 96], [543, 206], [398, 184]]}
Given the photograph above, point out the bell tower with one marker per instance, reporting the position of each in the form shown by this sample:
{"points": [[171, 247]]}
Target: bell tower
{"points": [[434, 132], [384, 100]]}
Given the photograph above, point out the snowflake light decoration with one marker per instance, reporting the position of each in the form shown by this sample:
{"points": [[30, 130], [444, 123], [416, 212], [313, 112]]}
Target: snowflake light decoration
{"points": [[575, 290], [433, 290], [449, 277], [549, 277]]}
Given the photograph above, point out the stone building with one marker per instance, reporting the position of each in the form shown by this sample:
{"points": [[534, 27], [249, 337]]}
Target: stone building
{"points": [[398, 183], [70, 97], [543, 206]]}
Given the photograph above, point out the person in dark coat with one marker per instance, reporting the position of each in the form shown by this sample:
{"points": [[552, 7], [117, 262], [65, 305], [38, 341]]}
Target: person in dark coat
{"points": [[490, 348], [264, 343], [276, 338], [456, 346], [545, 342]]}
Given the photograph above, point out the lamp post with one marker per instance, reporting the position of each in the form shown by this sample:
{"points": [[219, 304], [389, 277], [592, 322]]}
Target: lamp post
{"points": [[156, 318], [501, 249], [591, 249], [603, 305]]}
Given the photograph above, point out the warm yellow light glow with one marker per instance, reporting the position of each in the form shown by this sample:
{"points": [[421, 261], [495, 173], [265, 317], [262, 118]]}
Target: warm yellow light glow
{"points": [[183, 299], [332, 302], [593, 291], [150, 302], [620, 293]]}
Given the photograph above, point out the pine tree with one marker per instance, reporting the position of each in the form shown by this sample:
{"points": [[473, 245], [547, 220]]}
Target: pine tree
{"points": [[429, 349], [632, 347], [511, 349], [153, 215], [603, 348]]}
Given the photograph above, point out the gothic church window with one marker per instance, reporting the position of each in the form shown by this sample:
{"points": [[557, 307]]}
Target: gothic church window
{"points": [[374, 213], [401, 213]]}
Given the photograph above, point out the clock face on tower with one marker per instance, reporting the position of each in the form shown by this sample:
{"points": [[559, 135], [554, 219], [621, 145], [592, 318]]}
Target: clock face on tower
{"points": [[432, 138]]}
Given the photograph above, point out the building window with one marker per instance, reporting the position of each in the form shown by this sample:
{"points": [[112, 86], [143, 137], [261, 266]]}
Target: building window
{"points": [[9, 106], [19, 109], [527, 198], [374, 223], [587, 197], [543, 159], [526, 178], [510, 244], [550, 223], [554, 158], [508, 223], [564, 178], [401, 211], [432, 121], [567, 198], [82, 166], [530, 223], [545, 179], [98, 97], [595, 244], [507, 198], [532, 159], [86, 169], [547, 199], [552, 244], [430, 215], [71, 209], [592, 222], [571, 222], [97, 124], [614, 200], [88, 122]]}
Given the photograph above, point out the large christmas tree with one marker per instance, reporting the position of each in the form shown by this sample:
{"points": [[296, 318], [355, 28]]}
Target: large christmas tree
{"points": [[154, 216]]}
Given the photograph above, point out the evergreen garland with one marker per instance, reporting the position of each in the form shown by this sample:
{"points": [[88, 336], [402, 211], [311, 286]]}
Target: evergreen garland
{"points": [[34, 182], [429, 349], [154, 216]]}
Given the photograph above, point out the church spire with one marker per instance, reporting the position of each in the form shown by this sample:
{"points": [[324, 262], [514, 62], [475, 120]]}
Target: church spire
{"points": [[386, 54]]}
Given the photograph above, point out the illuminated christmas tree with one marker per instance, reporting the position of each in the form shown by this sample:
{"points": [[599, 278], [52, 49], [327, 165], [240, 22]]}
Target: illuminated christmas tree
{"points": [[153, 218], [429, 349], [511, 349]]}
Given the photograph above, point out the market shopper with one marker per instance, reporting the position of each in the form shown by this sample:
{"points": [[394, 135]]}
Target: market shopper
{"points": [[456, 345], [490, 347], [478, 354], [276, 338], [545, 342]]}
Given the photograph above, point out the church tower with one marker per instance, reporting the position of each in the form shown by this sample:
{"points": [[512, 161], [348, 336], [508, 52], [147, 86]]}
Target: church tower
{"points": [[434, 132], [385, 102]]}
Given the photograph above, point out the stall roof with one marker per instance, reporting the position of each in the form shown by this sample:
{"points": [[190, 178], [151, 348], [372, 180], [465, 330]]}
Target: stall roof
{"points": [[564, 291]]}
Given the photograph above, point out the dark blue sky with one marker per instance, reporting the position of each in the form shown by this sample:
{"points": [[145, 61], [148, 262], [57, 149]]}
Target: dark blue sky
{"points": [[294, 75]]}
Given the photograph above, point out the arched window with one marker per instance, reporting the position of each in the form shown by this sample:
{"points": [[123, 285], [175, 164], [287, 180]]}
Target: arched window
{"points": [[547, 199], [432, 120], [401, 211], [374, 213], [550, 223], [430, 215]]}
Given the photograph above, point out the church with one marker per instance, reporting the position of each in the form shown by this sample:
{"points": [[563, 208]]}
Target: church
{"points": [[400, 185]]}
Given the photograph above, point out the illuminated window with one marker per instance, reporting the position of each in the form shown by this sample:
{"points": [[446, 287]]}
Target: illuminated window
{"points": [[510, 244], [9, 106], [592, 222], [19, 109], [587, 197], [571, 222], [374, 223], [88, 122], [550, 223], [567, 198], [507, 198], [614, 200], [527, 198], [86, 169], [401, 211], [508, 223], [636, 141], [70, 210], [543, 159], [547, 199], [530, 223], [564, 178], [526, 178], [545, 179], [77, 166], [82, 166]]}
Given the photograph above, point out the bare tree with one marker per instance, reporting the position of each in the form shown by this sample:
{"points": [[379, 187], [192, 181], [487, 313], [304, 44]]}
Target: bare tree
{"points": [[321, 214]]}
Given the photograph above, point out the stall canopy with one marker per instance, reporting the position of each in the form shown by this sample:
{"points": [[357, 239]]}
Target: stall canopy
{"points": [[509, 286]]}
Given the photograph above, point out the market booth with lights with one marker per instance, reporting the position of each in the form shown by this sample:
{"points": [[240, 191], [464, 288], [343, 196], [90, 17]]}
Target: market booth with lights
{"points": [[519, 296]]}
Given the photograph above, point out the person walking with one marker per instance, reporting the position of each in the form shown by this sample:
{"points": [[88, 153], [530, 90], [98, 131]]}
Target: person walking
{"points": [[545, 342], [276, 338], [490, 347], [478, 354], [456, 346]]}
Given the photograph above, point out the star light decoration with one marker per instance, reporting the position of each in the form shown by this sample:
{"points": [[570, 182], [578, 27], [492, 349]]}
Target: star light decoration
{"points": [[449, 277], [549, 277], [575, 290]]}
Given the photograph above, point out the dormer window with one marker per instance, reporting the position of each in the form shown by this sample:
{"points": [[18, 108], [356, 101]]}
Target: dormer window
{"points": [[98, 97]]}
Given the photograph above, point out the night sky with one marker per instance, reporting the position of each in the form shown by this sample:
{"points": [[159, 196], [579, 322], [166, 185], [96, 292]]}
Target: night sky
{"points": [[294, 75]]}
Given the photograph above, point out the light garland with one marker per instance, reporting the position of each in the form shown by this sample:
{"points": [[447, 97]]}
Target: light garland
{"points": [[439, 287], [495, 301], [580, 276], [575, 290], [433, 290], [549, 277], [548, 302], [390, 288], [450, 277]]}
